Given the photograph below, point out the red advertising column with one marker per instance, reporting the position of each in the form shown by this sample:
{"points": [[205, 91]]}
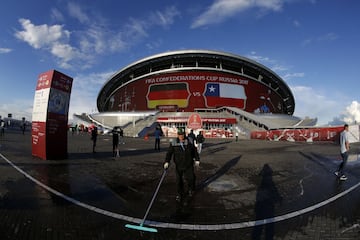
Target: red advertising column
{"points": [[50, 115]]}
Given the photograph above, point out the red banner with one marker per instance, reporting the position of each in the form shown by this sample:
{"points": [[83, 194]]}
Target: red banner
{"points": [[203, 120], [190, 90], [299, 135]]}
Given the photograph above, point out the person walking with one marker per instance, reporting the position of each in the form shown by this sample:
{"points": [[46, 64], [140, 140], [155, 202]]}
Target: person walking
{"points": [[191, 137], [200, 140], [344, 151], [158, 134], [2, 127], [185, 157], [115, 140], [94, 133], [121, 133], [23, 128]]}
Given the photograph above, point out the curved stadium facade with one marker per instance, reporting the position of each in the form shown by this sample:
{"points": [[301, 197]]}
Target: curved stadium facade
{"points": [[190, 80], [230, 93]]}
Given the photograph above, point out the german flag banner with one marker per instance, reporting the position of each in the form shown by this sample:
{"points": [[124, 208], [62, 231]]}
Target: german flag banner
{"points": [[169, 94]]}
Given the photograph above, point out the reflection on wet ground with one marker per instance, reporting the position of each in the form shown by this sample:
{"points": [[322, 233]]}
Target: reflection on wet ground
{"points": [[247, 189]]}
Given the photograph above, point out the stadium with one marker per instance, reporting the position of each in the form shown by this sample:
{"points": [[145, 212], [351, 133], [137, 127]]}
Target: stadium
{"points": [[229, 93]]}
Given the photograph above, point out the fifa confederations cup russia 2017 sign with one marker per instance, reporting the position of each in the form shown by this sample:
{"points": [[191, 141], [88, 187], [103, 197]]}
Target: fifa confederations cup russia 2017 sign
{"points": [[194, 121]]}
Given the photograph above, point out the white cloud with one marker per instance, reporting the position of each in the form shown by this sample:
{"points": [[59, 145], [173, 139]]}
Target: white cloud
{"points": [[289, 76], [220, 10], [323, 38], [328, 37], [315, 104], [53, 39], [154, 44], [309, 103], [76, 12], [19, 108], [164, 18], [94, 39], [353, 112], [81, 48], [268, 62], [83, 97], [63, 51], [259, 58], [42, 35], [350, 115], [296, 23], [5, 50], [56, 15], [306, 42], [279, 69], [137, 29], [85, 90]]}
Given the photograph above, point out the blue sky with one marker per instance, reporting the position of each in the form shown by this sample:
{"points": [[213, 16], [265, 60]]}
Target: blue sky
{"points": [[312, 44]]}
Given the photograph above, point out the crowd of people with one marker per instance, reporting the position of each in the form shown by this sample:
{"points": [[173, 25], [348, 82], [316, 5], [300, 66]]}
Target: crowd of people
{"points": [[13, 125], [117, 134]]}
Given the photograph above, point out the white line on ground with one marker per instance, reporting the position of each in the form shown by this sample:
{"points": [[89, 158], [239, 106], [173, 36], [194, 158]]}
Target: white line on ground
{"points": [[198, 227]]}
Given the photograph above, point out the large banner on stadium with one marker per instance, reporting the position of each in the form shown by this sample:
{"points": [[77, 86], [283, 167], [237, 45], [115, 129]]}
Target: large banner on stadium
{"points": [[50, 115], [190, 90]]}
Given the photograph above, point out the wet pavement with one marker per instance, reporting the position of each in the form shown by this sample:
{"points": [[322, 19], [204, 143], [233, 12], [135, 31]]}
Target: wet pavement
{"points": [[249, 189]]}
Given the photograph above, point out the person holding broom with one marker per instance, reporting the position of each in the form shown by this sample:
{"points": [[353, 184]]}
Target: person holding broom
{"points": [[185, 158]]}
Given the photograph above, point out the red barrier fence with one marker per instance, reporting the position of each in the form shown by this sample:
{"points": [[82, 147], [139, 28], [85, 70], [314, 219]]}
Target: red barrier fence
{"points": [[300, 135]]}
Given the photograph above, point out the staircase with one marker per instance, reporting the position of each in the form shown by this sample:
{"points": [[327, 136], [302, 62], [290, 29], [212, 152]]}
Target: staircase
{"points": [[139, 127]]}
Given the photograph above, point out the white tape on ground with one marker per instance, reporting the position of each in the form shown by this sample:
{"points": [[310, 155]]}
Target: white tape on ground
{"points": [[198, 227]]}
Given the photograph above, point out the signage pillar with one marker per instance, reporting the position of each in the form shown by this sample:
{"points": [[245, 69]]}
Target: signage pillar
{"points": [[50, 115]]}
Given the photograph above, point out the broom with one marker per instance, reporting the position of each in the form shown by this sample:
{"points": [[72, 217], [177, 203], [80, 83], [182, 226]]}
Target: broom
{"points": [[141, 227]]}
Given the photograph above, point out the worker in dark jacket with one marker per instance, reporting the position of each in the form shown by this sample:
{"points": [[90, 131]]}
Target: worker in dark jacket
{"points": [[94, 134], [185, 157], [115, 139]]}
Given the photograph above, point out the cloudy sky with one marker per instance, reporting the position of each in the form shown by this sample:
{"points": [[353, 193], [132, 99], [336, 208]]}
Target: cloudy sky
{"points": [[312, 44]]}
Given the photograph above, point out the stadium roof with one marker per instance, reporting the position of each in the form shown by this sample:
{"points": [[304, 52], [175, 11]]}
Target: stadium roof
{"points": [[196, 60]]}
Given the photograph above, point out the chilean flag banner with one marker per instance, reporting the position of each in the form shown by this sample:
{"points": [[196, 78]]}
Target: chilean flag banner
{"points": [[224, 94]]}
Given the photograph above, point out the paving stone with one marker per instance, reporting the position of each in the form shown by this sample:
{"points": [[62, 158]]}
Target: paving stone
{"points": [[93, 195]]}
